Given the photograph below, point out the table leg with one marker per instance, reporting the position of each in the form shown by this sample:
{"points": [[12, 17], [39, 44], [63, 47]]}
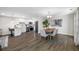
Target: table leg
{"points": [[50, 37]]}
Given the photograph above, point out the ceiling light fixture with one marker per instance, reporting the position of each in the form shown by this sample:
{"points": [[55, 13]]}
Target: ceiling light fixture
{"points": [[49, 16]]}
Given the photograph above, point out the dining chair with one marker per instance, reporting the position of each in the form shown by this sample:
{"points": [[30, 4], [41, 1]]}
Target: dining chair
{"points": [[43, 34], [54, 33]]}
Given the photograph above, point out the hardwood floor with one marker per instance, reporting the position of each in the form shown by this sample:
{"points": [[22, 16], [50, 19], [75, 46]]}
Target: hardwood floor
{"points": [[32, 42]]}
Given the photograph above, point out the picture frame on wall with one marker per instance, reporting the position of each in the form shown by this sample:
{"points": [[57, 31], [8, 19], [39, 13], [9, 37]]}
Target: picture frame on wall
{"points": [[56, 22]]}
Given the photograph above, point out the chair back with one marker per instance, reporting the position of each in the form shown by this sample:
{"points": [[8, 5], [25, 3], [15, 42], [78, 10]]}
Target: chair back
{"points": [[43, 33], [55, 32]]}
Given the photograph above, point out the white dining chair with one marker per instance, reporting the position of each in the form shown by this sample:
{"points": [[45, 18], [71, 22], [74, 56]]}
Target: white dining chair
{"points": [[54, 33], [43, 34]]}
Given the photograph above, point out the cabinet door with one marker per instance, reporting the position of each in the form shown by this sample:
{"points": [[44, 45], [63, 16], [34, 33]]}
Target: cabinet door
{"points": [[4, 41]]}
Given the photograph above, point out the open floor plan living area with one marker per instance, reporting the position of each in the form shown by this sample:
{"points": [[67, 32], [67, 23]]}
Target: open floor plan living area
{"points": [[39, 28]]}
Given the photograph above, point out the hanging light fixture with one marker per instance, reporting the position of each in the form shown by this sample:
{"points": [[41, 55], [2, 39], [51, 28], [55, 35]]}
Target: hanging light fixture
{"points": [[49, 16]]}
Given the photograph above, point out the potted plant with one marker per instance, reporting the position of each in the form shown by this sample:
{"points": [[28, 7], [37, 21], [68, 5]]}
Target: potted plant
{"points": [[45, 23]]}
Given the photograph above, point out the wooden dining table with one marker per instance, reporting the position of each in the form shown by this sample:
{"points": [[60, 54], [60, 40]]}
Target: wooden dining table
{"points": [[49, 31]]}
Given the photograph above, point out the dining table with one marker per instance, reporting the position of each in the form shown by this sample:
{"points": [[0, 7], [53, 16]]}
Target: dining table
{"points": [[49, 31]]}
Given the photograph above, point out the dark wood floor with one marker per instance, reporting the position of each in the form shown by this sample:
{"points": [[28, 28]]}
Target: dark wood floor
{"points": [[30, 42]]}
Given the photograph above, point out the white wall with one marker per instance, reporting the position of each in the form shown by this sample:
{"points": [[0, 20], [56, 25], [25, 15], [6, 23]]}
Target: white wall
{"points": [[6, 22], [76, 27], [67, 24], [9, 22], [40, 26]]}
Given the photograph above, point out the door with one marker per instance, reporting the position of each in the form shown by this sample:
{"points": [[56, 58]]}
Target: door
{"points": [[36, 26], [76, 28]]}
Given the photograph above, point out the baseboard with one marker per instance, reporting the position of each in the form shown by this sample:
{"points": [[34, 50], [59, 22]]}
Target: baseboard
{"points": [[67, 34]]}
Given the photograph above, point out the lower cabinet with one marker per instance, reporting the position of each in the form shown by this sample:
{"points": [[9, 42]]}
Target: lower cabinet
{"points": [[4, 41]]}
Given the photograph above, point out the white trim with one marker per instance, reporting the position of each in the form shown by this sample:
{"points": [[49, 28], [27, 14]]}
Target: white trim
{"points": [[66, 34]]}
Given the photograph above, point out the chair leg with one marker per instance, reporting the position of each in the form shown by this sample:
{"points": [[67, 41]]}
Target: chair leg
{"points": [[49, 37], [52, 37], [46, 38]]}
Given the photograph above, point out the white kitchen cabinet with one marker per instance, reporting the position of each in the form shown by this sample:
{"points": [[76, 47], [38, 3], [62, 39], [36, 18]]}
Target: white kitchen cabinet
{"points": [[4, 41]]}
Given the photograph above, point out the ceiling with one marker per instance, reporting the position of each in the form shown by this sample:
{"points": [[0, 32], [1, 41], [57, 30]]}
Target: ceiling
{"points": [[35, 11]]}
